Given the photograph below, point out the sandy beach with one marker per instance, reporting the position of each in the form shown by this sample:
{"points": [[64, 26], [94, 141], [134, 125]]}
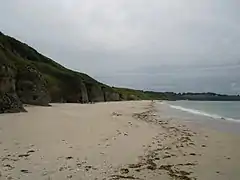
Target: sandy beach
{"points": [[111, 141]]}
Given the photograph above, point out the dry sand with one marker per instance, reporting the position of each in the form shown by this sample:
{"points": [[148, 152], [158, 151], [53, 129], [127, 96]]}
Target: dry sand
{"points": [[118, 140]]}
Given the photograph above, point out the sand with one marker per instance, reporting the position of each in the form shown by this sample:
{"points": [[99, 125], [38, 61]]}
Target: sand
{"points": [[115, 140]]}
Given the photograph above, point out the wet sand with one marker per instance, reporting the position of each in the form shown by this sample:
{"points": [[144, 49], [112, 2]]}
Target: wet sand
{"points": [[117, 140]]}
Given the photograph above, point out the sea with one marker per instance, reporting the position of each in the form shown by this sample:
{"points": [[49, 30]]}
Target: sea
{"points": [[228, 110], [223, 114]]}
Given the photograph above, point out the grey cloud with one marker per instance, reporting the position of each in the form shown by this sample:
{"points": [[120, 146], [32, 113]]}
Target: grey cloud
{"points": [[167, 45]]}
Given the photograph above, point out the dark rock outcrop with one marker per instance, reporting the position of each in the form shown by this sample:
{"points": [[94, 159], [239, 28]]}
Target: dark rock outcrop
{"points": [[9, 101], [95, 93], [84, 94], [110, 95], [31, 87], [75, 92], [40, 80]]}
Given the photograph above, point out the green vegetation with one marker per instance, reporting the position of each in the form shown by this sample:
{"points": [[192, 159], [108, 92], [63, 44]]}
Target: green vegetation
{"points": [[63, 85], [131, 94]]}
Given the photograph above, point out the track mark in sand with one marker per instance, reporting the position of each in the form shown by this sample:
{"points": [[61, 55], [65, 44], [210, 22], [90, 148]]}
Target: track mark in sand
{"points": [[25, 171], [165, 147], [89, 167], [176, 173], [135, 165], [117, 177], [30, 151], [27, 154], [23, 155]]}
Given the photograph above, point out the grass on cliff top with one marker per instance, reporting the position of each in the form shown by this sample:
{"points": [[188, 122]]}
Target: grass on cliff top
{"points": [[58, 77], [21, 55], [60, 80]]}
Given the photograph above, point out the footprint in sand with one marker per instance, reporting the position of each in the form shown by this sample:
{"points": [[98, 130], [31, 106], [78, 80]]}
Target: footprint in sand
{"points": [[69, 157], [107, 144], [119, 132], [69, 176], [125, 134], [130, 123]]}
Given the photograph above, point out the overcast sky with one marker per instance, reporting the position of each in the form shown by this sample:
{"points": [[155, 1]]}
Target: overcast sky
{"points": [[161, 45]]}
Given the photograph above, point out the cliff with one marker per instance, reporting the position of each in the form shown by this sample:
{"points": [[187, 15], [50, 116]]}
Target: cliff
{"points": [[9, 101], [28, 77]]}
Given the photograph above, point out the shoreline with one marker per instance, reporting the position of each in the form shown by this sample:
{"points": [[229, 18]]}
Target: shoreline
{"points": [[113, 140], [218, 124]]}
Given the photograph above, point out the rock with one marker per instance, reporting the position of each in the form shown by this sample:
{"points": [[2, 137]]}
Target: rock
{"points": [[31, 87], [95, 93], [74, 91], [84, 94], [9, 101], [110, 95]]}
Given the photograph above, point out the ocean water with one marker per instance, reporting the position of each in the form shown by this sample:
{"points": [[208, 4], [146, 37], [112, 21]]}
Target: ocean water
{"points": [[224, 110]]}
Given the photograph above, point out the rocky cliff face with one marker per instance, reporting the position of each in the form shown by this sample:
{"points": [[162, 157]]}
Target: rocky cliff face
{"points": [[84, 94], [31, 78], [9, 101], [31, 87], [110, 95], [95, 93]]}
